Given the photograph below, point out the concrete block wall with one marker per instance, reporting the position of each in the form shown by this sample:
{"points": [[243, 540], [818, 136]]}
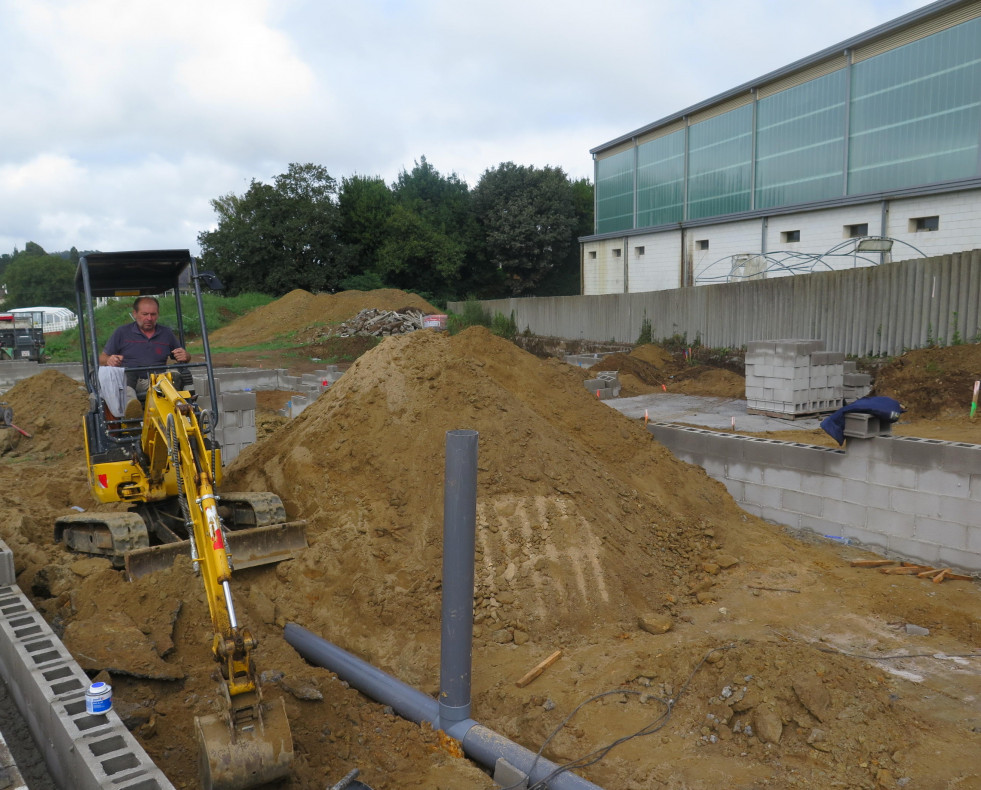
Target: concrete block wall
{"points": [[82, 751], [915, 499], [793, 377]]}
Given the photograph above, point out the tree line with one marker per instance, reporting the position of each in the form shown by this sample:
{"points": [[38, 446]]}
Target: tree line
{"points": [[515, 233]]}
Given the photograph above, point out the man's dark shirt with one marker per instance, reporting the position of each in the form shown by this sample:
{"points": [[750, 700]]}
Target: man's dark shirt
{"points": [[140, 351]]}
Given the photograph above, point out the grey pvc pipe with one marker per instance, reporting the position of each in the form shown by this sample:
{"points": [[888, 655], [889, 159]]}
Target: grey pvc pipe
{"points": [[479, 743], [459, 535]]}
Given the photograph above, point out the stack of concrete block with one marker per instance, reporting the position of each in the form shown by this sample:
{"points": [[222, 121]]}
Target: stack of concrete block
{"points": [[606, 385], [793, 378], [855, 385], [234, 418]]}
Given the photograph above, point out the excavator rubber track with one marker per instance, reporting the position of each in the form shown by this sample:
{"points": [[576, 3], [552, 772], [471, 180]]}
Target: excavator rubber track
{"points": [[257, 534], [112, 535]]}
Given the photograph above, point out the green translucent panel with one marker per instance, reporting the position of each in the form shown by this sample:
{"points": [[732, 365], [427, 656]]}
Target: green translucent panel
{"points": [[661, 180], [720, 153], [916, 112], [615, 192], [800, 143]]}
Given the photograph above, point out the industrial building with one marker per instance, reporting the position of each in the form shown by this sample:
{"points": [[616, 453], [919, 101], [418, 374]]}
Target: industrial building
{"points": [[865, 152]]}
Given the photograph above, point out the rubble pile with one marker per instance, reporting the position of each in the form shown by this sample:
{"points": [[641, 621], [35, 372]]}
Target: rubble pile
{"points": [[380, 323]]}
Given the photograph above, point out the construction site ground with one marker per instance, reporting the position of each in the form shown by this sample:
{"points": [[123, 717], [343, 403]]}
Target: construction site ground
{"points": [[741, 656]]}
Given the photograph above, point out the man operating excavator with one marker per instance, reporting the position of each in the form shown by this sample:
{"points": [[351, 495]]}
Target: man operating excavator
{"points": [[142, 344]]}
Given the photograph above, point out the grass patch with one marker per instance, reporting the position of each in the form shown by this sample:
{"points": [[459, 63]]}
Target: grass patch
{"points": [[218, 311]]}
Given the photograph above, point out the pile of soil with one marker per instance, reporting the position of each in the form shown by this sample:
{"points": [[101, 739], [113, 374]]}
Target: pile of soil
{"points": [[741, 656], [650, 368], [932, 382], [301, 310]]}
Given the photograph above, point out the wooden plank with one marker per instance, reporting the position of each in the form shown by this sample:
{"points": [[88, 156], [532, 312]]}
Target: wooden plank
{"points": [[536, 670], [871, 563]]}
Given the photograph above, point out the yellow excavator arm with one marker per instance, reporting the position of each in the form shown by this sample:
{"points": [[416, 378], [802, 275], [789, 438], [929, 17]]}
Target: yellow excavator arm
{"points": [[251, 743]]}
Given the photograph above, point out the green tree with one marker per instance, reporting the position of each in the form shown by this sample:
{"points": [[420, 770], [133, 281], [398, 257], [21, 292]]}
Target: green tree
{"points": [[429, 234], [33, 278], [528, 223], [419, 257], [279, 237], [365, 205]]}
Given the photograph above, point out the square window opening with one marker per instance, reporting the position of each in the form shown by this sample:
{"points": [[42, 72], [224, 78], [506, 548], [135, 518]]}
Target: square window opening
{"points": [[789, 236], [702, 244], [617, 252], [922, 224], [592, 255], [857, 231], [639, 252]]}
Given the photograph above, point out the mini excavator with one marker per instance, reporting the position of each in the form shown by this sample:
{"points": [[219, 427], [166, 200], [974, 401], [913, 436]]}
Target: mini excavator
{"points": [[166, 466]]}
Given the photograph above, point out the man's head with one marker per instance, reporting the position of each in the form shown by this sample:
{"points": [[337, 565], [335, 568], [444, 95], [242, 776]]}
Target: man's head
{"points": [[146, 310]]}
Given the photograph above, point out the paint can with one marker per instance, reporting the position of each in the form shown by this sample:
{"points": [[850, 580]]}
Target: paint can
{"points": [[98, 699]]}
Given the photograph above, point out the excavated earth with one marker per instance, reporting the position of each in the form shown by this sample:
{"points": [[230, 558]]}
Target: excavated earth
{"points": [[741, 656]]}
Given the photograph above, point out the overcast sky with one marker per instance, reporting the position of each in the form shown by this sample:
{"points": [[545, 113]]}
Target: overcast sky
{"points": [[123, 119]]}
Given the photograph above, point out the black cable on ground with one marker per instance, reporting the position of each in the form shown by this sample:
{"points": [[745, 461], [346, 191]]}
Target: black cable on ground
{"points": [[596, 755]]}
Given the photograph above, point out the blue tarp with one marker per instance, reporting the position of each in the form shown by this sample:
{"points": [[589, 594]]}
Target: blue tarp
{"points": [[886, 409]]}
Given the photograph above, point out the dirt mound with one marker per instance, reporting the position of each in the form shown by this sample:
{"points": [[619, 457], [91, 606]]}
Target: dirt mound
{"points": [[568, 490], [932, 382], [710, 382], [299, 310], [590, 538], [653, 354], [651, 368]]}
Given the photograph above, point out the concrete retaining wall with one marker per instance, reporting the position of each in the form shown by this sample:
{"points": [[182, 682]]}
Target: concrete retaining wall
{"points": [[82, 751], [916, 499], [873, 310]]}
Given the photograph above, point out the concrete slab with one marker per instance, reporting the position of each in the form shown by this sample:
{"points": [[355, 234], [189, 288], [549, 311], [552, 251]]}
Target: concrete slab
{"points": [[715, 413]]}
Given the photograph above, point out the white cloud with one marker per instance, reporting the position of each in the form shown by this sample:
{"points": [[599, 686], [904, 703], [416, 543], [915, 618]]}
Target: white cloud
{"points": [[126, 118]]}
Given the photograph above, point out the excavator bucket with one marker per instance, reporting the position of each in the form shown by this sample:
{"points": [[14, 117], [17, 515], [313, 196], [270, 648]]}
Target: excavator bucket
{"points": [[247, 548], [238, 758]]}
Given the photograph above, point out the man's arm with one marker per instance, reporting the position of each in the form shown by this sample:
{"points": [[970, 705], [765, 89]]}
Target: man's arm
{"points": [[110, 360], [180, 355]]}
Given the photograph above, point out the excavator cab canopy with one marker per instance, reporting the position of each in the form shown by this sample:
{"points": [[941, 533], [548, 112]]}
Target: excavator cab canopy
{"points": [[127, 275]]}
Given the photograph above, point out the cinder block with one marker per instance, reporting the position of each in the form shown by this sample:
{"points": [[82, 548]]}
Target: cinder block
{"points": [[886, 474], [7, 575], [958, 511], [801, 503], [968, 561], [942, 482], [779, 477], [82, 751], [862, 493], [890, 523], [762, 495], [914, 549], [846, 513], [961, 458], [237, 401], [914, 452], [941, 532]]}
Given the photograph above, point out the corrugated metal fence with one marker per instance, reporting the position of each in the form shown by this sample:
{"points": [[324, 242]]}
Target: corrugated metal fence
{"points": [[874, 310]]}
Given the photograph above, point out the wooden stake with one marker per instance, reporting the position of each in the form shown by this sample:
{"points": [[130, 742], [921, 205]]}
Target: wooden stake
{"points": [[870, 563], [538, 669]]}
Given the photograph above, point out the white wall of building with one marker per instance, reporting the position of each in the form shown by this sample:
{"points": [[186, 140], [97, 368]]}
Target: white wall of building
{"points": [[723, 240], [655, 261], [708, 248], [603, 268], [959, 216]]}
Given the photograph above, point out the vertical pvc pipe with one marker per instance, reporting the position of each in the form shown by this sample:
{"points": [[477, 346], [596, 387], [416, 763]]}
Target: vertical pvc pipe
{"points": [[459, 531]]}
